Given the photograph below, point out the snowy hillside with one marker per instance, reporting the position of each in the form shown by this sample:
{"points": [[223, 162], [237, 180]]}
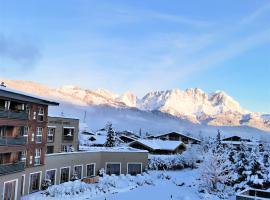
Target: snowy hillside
{"points": [[191, 110]]}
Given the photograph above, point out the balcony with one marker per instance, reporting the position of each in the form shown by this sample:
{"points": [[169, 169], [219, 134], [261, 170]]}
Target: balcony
{"points": [[13, 140], [10, 114], [11, 168]]}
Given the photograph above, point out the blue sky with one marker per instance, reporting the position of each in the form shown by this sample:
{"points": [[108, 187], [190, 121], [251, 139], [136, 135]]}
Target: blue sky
{"points": [[140, 45]]}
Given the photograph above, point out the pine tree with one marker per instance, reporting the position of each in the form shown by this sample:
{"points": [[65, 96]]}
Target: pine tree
{"points": [[111, 141]]}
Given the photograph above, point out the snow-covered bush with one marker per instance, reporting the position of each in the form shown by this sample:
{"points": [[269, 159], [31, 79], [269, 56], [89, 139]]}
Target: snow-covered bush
{"points": [[187, 159], [106, 184]]}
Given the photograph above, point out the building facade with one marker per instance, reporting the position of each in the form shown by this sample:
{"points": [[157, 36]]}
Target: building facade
{"points": [[23, 145], [23, 131], [61, 167], [62, 134]]}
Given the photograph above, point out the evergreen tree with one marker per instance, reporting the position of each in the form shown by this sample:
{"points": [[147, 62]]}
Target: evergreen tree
{"points": [[111, 141]]}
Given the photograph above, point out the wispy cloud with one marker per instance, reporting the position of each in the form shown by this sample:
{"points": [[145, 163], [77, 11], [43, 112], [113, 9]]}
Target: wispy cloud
{"points": [[256, 14]]}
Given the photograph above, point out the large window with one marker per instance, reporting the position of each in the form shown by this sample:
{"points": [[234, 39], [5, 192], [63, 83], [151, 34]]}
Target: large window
{"points": [[10, 190], [51, 175], [50, 135], [134, 168], [64, 174], [34, 182], [113, 168], [68, 133], [39, 135], [37, 156], [90, 170], [40, 114], [78, 171]]}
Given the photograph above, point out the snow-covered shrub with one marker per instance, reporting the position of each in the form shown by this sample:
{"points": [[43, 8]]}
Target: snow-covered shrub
{"points": [[187, 159]]}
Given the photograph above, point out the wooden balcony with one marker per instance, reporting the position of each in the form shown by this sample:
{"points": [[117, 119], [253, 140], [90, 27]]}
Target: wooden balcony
{"points": [[13, 140], [10, 114], [11, 168]]}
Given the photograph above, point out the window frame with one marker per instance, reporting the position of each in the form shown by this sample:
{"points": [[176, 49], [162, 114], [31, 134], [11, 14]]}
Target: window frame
{"points": [[94, 174], [40, 114], [120, 164], [55, 174], [37, 156], [135, 163], [40, 176], [49, 133], [81, 171], [61, 174], [16, 188], [38, 135]]}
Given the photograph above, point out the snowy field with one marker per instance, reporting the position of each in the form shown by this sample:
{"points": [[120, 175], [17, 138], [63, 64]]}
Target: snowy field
{"points": [[176, 185]]}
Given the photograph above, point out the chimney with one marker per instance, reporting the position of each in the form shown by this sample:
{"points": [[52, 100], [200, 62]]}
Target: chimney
{"points": [[3, 84]]}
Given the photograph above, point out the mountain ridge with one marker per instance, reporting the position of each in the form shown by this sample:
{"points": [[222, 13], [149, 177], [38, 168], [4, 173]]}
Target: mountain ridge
{"points": [[192, 104]]}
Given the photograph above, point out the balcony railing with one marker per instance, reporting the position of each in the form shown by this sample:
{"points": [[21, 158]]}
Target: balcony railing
{"points": [[13, 140], [11, 168], [13, 114]]}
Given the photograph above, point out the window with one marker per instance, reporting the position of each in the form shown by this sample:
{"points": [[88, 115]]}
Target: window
{"points": [[40, 115], [23, 156], [90, 170], [113, 168], [50, 149], [50, 135], [27, 110], [37, 156], [64, 174], [68, 134], [78, 171], [34, 182], [67, 148], [25, 133], [51, 175], [31, 160], [10, 190], [134, 168], [39, 135]]}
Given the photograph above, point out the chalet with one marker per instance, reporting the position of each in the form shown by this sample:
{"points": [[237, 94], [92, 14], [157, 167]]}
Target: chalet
{"points": [[157, 146], [127, 139], [175, 136], [236, 141]]}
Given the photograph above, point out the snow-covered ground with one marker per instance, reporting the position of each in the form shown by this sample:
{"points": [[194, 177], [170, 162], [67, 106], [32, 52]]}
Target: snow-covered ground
{"points": [[158, 185]]}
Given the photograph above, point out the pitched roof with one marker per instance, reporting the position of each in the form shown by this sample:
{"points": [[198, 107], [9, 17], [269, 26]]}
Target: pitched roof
{"points": [[159, 144], [22, 96], [181, 134]]}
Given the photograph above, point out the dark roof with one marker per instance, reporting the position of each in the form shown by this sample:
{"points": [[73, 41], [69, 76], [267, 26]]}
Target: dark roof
{"points": [[21, 96], [181, 134]]}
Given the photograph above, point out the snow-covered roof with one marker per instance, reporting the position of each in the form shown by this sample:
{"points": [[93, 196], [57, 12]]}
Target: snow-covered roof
{"points": [[109, 149], [27, 96], [181, 134], [159, 144]]}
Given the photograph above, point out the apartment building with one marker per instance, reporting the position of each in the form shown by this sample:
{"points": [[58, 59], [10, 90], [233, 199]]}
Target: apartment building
{"points": [[23, 145], [23, 131], [62, 135]]}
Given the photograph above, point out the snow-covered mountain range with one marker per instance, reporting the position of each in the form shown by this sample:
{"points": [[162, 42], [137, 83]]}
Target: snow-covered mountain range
{"points": [[193, 106]]}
